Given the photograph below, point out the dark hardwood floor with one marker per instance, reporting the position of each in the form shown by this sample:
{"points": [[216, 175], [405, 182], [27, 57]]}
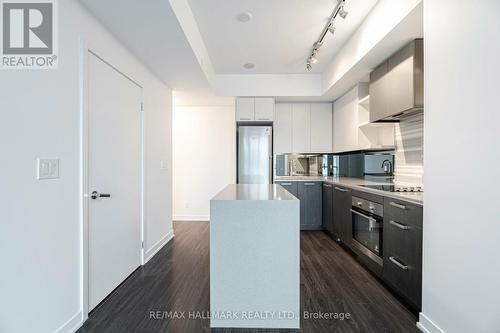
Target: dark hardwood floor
{"points": [[177, 279]]}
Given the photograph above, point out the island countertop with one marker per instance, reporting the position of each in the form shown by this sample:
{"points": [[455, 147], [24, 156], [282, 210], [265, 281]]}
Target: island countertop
{"points": [[253, 192]]}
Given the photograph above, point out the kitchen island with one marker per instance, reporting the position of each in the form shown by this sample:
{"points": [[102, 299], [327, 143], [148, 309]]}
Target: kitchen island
{"points": [[254, 257]]}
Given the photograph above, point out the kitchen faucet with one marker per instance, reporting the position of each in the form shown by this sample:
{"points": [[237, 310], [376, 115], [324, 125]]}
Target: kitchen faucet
{"points": [[387, 165]]}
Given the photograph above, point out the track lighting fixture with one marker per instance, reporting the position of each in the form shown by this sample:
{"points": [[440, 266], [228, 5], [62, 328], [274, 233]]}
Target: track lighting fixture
{"points": [[330, 27], [343, 13]]}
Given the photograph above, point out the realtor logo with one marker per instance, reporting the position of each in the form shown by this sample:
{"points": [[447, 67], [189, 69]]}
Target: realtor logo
{"points": [[29, 39]]}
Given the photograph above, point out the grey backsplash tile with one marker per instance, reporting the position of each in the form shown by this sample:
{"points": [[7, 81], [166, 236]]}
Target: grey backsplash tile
{"points": [[409, 154]]}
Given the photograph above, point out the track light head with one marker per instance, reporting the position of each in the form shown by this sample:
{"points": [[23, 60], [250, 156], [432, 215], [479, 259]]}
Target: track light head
{"points": [[343, 13], [312, 60], [309, 66], [317, 45], [331, 28]]}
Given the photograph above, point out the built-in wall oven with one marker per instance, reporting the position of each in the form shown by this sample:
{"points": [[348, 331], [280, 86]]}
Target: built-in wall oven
{"points": [[367, 228]]}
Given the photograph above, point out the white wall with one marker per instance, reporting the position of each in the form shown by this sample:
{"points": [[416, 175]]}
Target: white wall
{"points": [[204, 155], [461, 268], [40, 220]]}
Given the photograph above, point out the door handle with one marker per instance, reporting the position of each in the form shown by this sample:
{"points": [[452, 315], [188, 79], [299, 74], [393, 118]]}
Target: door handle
{"points": [[94, 195], [326, 185], [340, 189], [309, 184]]}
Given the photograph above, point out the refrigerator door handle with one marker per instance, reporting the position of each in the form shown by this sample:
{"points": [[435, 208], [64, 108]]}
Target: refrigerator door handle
{"points": [[271, 169]]}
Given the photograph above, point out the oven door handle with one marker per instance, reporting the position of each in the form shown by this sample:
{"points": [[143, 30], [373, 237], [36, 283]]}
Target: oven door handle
{"points": [[363, 215]]}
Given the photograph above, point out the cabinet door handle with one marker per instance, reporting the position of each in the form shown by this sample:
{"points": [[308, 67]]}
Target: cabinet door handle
{"points": [[245, 119], [399, 225], [397, 263], [326, 185], [393, 204], [285, 184], [340, 189], [264, 119], [309, 184]]}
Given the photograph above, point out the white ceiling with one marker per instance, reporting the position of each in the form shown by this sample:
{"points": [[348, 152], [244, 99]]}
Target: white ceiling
{"points": [[155, 37], [279, 37]]}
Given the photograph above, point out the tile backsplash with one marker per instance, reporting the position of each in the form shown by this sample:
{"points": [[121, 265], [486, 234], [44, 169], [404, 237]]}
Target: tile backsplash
{"points": [[409, 153]]}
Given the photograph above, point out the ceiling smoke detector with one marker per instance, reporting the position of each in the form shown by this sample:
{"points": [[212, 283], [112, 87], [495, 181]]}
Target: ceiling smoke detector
{"points": [[244, 17], [249, 65]]}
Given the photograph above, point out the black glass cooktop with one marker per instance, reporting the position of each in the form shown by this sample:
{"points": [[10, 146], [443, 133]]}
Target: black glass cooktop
{"points": [[395, 188]]}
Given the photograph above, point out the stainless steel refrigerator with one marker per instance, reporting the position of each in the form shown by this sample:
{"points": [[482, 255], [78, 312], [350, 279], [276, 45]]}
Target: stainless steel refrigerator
{"points": [[255, 154]]}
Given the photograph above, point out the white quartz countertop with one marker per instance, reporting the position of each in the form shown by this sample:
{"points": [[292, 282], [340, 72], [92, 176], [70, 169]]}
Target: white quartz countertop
{"points": [[356, 184], [255, 192]]}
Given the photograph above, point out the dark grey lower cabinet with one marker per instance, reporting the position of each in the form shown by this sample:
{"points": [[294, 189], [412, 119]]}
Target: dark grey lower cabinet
{"points": [[309, 194], [310, 205], [327, 199], [403, 249], [342, 222]]}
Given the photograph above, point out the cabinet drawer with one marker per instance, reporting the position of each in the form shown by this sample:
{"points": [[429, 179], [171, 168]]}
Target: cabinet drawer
{"points": [[290, 187], [403, 259], [403, 212]]}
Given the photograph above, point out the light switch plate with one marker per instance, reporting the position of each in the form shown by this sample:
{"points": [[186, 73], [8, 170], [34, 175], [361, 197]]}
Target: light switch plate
{"points": [[47, 168], [163, 165]]}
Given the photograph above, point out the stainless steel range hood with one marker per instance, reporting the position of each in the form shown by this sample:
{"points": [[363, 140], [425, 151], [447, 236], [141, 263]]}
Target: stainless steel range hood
{"points": [[397, 85]]}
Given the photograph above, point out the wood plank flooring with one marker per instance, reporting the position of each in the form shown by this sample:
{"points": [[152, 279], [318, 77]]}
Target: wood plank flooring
{"points": [[177, 279]]}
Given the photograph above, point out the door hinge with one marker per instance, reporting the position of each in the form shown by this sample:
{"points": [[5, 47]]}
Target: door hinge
{"points": [[142, 107], [142, 244]]}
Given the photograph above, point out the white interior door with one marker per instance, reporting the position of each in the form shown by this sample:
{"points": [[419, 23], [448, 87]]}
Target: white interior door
{"points": [[114, 168]]}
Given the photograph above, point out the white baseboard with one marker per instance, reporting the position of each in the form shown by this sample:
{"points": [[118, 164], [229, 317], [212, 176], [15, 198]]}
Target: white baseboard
{"points": [[428, 326], [194, 218], [72, 325], [158, 245]]}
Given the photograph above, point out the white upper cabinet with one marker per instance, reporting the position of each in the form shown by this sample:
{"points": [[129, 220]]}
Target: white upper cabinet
{"points": [[254, 109], [321, 127], [283, 128], [245, 109], [345, 122], [351, 127], [264, 109], [301, 128]]}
